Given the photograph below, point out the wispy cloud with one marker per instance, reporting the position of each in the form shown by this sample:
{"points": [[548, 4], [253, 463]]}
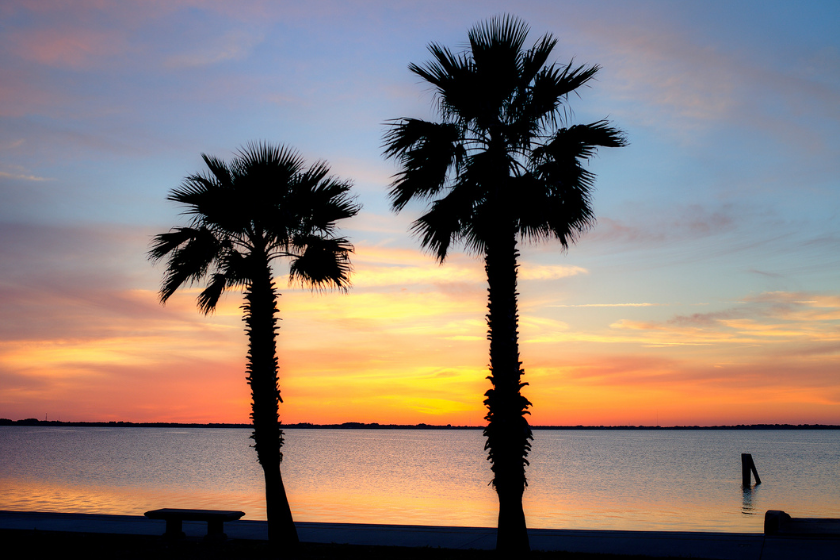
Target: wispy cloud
{"points": [[377, 267], [233, 45], [530, 271], [681, 222], [22, 177], [791, 317], [13, 144], [612, 305]]}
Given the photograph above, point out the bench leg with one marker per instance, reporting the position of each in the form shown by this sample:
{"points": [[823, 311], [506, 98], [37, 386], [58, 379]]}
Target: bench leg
{"points": [[215, 530], [174, 529]]}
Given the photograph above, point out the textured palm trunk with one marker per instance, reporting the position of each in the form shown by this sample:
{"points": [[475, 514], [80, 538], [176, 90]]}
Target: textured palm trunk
{"points": [[508, 433], [261, 325]]}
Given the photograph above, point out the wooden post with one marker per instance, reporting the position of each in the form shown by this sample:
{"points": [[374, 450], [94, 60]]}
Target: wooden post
{"points": [[747, 467]]}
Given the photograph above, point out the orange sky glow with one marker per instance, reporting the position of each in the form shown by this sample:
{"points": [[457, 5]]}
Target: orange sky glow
{"points": [[407, 345], [708, 293]]}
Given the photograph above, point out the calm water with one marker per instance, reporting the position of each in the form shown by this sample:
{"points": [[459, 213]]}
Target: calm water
{"points": [[629, 479]]}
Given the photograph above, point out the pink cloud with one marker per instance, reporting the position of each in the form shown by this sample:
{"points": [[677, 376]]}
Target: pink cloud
{"points": [[24, 92], [67, 48], [689, 77], [652, 227]]}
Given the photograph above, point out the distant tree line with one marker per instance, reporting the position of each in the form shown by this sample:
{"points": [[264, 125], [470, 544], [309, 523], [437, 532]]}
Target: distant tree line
{"points": [[378, 426]]}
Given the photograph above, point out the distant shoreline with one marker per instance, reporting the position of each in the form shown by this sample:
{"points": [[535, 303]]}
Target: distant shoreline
{"points": [[421, 426]]}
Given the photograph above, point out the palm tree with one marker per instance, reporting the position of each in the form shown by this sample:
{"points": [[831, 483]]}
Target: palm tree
{"points": [[500, 166], [262, 206]]}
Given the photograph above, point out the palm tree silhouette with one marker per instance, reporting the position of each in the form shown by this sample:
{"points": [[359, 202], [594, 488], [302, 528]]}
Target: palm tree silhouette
{"points": [[499, 166], [262, 206]]}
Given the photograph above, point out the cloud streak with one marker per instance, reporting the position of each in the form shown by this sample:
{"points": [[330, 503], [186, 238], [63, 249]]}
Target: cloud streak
{"points": [[233, 45], [20, 177]]}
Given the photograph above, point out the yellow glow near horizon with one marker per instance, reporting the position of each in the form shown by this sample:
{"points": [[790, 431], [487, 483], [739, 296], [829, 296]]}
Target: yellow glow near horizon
{"points": [[408, 345], [361, 358]]}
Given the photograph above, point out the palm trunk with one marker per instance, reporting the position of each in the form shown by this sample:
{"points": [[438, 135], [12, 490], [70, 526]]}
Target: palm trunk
{"points": [[508, 433], [261, 325]]}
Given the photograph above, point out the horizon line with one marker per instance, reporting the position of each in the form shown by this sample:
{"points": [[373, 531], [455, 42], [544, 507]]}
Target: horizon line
{"points": [[377, 425]]}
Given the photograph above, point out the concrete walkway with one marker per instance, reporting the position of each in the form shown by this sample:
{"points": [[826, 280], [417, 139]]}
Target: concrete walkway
{"points": [[724, 546]]}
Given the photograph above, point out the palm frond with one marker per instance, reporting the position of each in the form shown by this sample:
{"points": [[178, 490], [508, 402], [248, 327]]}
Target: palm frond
{"points": [[283, 160], [332, 201], [541, 110], [426, 151], [164, 243], [192, 190], [579, 142], [505, 33], [561, 81], [315, 176], [444, 69], [312, 202], [323, 264], [498, 97], [448, 220], [535, 57], [498, 57], [562, 211], [209, 297], [456, 83], [261, 206], [189, 262], [212, 204], [221, 173]]}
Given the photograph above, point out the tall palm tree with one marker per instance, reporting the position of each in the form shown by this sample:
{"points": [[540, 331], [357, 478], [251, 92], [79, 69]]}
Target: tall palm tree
{"points": [[262, 206], [499, 166]]}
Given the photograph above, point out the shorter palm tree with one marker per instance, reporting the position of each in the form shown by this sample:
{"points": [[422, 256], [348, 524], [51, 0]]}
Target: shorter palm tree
{"points": [[262, 206]]}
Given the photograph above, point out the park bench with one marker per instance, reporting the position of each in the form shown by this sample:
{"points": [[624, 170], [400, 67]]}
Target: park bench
{"points": [[175, 517], [779, 523]]}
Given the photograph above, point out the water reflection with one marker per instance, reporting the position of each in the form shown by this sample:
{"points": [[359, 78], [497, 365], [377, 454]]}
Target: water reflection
{"points": [[55, 496], [644, 479], [750, 495]]}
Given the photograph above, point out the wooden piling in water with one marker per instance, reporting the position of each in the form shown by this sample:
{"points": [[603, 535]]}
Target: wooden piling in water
{"points": [[747, 467]]}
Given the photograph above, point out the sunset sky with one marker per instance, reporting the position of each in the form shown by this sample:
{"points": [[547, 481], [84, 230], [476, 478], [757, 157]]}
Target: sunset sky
{"points": [[707, 293]]}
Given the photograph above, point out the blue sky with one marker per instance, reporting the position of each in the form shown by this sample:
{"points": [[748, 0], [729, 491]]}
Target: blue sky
{"points": [[717, 244]]}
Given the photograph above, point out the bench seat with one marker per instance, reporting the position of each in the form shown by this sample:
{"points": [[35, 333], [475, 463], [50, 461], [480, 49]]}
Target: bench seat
{"points": [[175, 517]]}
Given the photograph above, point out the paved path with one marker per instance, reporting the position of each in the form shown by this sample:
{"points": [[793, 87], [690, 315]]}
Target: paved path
{"points": [[724, 546]]}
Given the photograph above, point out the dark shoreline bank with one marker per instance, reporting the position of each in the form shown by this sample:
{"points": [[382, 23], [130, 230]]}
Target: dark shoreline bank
{"points": [[46, 535], [54, 544], [421, 426]]}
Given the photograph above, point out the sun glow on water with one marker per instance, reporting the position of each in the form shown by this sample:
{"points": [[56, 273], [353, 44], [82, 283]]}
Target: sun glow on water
{"points": [[629, 479]]}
